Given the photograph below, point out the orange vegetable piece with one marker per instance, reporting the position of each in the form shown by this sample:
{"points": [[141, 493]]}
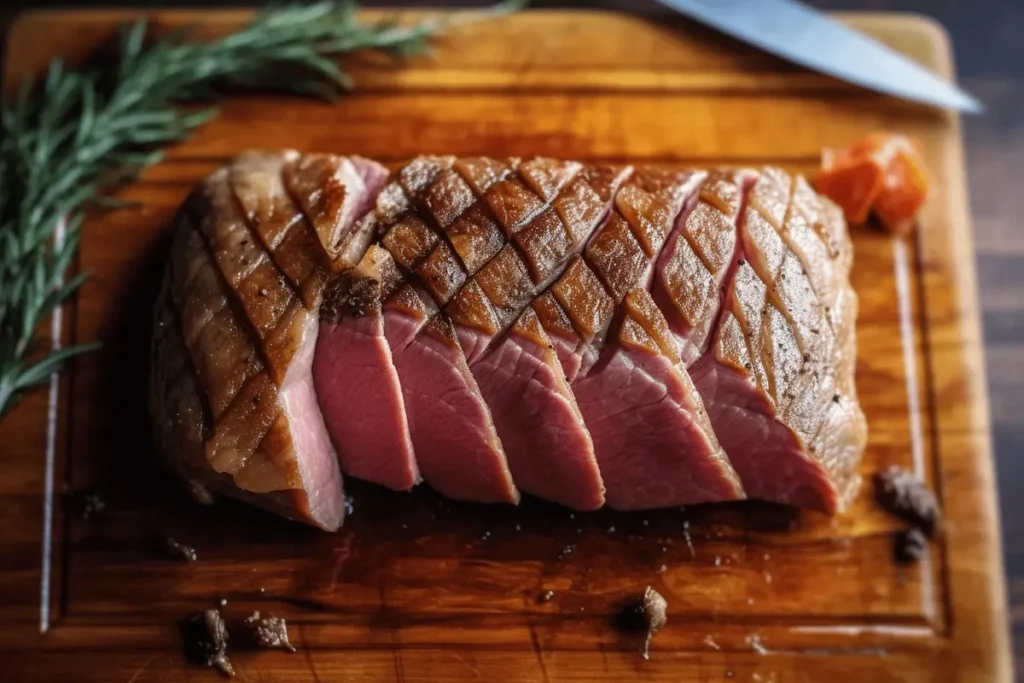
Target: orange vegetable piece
{"points": [[854, 186], [882, 174], [905, 190]]}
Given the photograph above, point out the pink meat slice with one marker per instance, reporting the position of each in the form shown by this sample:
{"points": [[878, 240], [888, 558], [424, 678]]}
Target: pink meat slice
{"points": [[655, 445], [355, 377], [651, 437], [775, 378], [549, 450], [457, 447], [433, 219]]}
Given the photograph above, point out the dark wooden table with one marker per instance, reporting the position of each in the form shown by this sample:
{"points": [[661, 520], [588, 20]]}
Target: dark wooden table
{"points": [[990, 59]]}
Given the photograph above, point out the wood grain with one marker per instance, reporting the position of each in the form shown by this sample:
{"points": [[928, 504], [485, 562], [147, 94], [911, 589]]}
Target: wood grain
{"points": [[415, 588]]}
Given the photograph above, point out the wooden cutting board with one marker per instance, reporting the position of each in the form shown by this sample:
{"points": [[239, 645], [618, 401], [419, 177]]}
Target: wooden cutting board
{"points": [[417, 589]]}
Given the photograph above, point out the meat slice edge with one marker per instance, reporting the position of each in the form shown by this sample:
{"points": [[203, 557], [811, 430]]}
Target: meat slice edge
{"points": [[652, 440], [693, 267], [335, 193], [356, 381], [258, 185], [655, 445], [457, 448], [773, 377], [550, 452], [264, 444], [549, 449]]}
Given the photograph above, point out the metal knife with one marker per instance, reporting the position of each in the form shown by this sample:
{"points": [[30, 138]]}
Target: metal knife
{"points": [[802, 35]]}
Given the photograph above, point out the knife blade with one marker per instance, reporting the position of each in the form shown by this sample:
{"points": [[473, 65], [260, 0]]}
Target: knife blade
{"points": [[804, 36]]}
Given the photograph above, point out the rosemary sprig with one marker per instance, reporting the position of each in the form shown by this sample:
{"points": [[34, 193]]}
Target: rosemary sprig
{"points": [[80, 132]]}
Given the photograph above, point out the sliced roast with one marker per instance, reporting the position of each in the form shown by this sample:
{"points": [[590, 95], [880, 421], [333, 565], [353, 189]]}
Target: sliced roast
{"points": [[485, 236], [588, 334]]}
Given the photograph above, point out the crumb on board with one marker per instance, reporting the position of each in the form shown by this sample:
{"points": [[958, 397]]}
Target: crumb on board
{"points": [[648, 613], [85, 503], [178, 551], [911, 546], [269, 632], [903, 494], [205, 638]]}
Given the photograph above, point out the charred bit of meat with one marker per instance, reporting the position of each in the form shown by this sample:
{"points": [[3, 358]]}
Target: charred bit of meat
{"points": [[911, 546], [647, 613], [269, 633], [206, 641], [901, 493], [655, 610]]}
